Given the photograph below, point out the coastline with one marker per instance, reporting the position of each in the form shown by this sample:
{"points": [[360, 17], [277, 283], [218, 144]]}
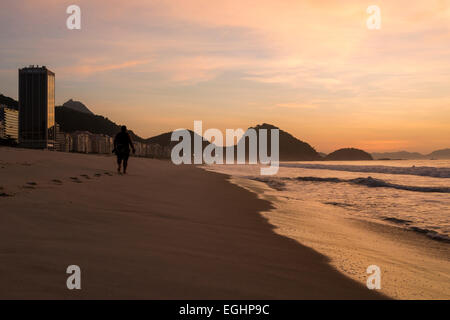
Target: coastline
{"points": [[161, 232], [413, 266]]}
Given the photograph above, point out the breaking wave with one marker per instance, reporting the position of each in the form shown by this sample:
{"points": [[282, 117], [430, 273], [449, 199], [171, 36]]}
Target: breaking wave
{"points": [[361, 204], [435, 172], [375, 183]]}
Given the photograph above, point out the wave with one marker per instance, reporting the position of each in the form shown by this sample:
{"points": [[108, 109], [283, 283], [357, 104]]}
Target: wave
{"points": [[277, 184], [375, 183], [431, 234], [414, 225], [427, 232], [273, 183], [436, 172]]}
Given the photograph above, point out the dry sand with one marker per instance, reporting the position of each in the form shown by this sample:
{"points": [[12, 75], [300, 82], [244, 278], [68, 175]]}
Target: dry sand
{"points": [[160, 232]]}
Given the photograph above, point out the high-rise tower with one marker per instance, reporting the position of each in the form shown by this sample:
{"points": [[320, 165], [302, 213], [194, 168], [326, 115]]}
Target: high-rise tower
{"points": [[36, 107]]}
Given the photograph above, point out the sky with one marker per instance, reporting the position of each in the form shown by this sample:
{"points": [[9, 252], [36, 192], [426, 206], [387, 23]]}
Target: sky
{"points": [[312, 68]]}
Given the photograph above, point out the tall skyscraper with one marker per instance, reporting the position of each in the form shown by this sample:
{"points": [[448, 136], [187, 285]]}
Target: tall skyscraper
{"points": [[36, 107]]}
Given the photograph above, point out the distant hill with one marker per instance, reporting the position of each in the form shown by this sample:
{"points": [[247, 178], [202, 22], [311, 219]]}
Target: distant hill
{"points": [[71, 120], [440, 154], [322, 154], [349, 154], [405, 155], [77, 106], [10, 102], [164, 140], [291, 148]]}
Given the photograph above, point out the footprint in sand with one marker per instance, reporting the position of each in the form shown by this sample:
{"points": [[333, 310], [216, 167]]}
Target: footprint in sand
{"points": [[30, 185], [97, 175], [76, 180], [57, 181], [4, 194], [24, 163], [85, 176], [108, 173]]}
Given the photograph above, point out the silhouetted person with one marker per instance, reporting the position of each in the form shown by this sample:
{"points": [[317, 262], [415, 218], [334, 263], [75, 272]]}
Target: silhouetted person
{"points": [[122, 144]]}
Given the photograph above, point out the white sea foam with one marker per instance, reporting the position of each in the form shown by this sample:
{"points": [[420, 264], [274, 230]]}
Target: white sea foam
{"points": [[377, 183]]}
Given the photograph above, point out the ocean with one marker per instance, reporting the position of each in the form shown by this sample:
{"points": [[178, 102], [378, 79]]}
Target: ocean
{"points": [[410, 194]]}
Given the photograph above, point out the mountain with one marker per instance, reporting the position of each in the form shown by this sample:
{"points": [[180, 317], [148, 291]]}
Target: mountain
{"points": [[10, 102], [291, 148], [322, 154], [71, 120], [404, 155], [164, 140], [349, 154], [440, 154], [77, 106]]}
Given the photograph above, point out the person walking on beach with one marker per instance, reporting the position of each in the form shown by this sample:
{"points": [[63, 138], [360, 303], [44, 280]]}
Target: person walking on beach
{"points": [[122, 144]]}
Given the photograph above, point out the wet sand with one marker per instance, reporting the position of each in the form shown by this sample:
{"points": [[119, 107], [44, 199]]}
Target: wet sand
{"points": [[160, 232], [412, 265]]}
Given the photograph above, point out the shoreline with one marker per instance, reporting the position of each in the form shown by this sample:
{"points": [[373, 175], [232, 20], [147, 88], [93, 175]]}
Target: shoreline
{"points": [[161, 232], [413, 265]]}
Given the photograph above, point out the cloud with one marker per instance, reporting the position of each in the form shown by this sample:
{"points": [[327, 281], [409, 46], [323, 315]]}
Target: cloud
{"points": [[87, 68], [295, 105]]}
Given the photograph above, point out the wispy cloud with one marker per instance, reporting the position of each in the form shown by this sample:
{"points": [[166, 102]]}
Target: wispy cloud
{"points": [[88, 68]]}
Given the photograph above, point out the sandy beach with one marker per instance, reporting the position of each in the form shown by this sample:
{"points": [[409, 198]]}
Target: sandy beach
{"points": [[160, 232], [412, 265]]}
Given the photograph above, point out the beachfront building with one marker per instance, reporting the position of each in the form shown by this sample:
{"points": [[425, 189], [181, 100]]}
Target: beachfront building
{"points": [[37, 108], [101, 143], [59, 139], [81, 142], [141, 149], [87, 142], [64, 141], [9, 123], [151, 150]]}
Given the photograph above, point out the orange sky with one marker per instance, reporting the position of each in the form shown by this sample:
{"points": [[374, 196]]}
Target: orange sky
{"points": [[310, 67]]}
